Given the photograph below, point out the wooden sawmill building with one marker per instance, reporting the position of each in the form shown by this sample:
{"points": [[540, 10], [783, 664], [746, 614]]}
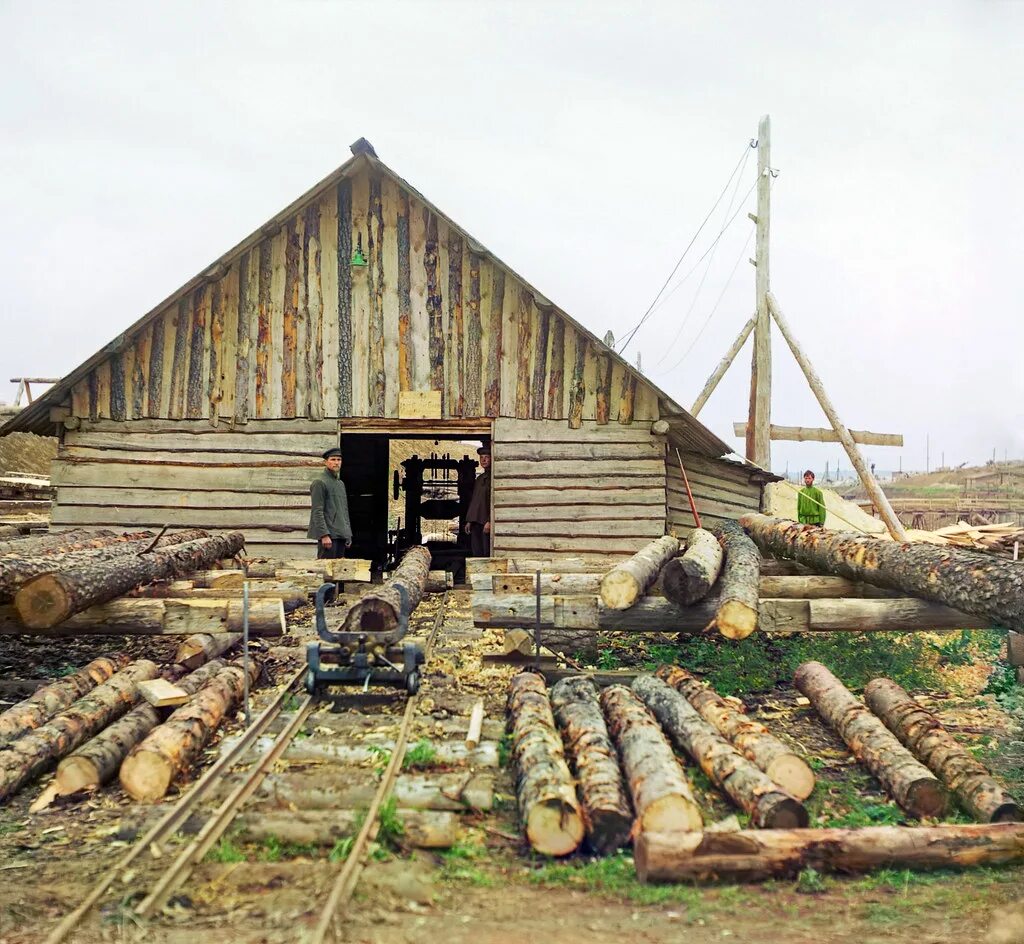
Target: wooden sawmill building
{"points": [[358, 315]]}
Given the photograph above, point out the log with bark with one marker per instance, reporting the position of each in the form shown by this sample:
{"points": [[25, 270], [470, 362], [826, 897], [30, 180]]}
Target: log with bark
{"points": [[606, 811], [625, 583], [382, 609], [51, 699], [30, 755], [759, 854], [662, 796], [736, 617], [201, 648], [51, 598], [688, 578], [16, 571], [923, 734], [912, 785], [548, 808], [421, 829], [753, 740], [73, 540], [970, 581], [439, 581], [98, 761], [172, 747], [741, 780]]}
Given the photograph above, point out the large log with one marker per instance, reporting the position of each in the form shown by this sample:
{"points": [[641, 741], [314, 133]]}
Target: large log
{"points": [[341, 568], [688, 578], [606, 811], [907, 781], [73, 540], [201, 648], [742, 781], [548, 808], [382, 609], [172, 747], [736, 617], [132, 616], [51, 699], [625, 583], [421, 829], [51, 598], [751, 738], [290, 595], [662, 796], [16, 571], [97, 761], [971, 581], [30, 755], [921, 732], [758, 854]]}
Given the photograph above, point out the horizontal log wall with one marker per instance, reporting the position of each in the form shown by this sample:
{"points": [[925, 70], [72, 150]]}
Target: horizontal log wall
{"points": [[721, 490], [290, 328], [185, 473], [599, 489]]}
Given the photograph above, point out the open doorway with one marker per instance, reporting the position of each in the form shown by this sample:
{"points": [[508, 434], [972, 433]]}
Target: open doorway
{"points": [[407, 489]]}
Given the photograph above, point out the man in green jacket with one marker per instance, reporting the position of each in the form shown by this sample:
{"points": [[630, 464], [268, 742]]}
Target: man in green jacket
{"points": [[810, 502], [329, 523]]}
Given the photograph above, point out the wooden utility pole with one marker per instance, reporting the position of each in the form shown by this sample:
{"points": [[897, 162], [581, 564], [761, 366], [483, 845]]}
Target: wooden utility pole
{"points": [[759, 418]]}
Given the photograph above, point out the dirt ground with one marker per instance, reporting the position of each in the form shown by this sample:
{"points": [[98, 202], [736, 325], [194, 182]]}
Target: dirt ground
{"points": [[489, 889]]}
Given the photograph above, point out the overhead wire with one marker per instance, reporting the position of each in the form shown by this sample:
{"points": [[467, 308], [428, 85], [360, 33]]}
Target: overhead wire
{"points": [[689, 246]]}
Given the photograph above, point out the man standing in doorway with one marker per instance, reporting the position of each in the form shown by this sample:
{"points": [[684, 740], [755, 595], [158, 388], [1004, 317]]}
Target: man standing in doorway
{"points": [[810, 503], [478, 517], [329, 523]]}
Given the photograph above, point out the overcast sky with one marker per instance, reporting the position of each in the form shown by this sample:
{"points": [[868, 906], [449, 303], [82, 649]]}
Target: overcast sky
{"points": [[583, 144]]}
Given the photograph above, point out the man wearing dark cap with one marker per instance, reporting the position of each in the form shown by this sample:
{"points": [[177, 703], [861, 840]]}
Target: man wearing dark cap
{"points": [[329, 524], [478, 518]]}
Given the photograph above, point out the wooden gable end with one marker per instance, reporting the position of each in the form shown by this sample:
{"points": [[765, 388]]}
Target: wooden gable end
{"points": [[290, 327]]}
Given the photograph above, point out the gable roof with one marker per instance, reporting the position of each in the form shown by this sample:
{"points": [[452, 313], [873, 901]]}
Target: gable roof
{"points": [[35, 418]]}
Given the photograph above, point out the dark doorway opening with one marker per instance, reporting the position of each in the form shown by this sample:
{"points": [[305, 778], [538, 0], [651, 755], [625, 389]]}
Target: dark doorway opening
{"points": [[407, 489]]}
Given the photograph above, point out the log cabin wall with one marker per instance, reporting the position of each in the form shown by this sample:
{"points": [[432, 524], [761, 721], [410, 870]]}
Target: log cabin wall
{"points": [[557, 491], [721, 491]]}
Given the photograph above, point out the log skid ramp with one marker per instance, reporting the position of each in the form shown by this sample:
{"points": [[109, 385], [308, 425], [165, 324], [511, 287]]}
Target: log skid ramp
{"points": [[320, 787]]}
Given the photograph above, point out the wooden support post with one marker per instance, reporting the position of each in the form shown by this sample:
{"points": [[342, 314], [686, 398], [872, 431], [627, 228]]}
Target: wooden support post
{"points": [[872, 487], [758, 448], [723, 365]]}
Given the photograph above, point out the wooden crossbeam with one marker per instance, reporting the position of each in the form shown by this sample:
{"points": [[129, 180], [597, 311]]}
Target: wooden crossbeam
{"points": [[817, 434]]}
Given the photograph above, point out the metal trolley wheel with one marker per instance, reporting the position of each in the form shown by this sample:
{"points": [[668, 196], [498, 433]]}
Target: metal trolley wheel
{"points": [[412, 683]]}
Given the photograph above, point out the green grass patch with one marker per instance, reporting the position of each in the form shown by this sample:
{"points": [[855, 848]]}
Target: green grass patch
{"points": [[504, 750], [419, 756], [273, 849], [226, 850]]}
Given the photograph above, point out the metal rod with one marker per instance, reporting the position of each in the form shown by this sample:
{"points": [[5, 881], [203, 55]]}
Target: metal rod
{"points": [[536, 629], [689, 494]]}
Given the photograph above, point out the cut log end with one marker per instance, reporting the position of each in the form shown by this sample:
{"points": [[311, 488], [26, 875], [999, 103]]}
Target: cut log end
{"points": [[672, 814], [786, 814], [75, 774], [929, 798], [554, 828], [146, 776], [792, 774], [619, 590], [736, 620], [609, 831], [1008, 812], [42, 602]]}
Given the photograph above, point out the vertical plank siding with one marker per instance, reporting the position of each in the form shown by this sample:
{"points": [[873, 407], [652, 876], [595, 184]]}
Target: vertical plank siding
{"points": [[291, 329]]}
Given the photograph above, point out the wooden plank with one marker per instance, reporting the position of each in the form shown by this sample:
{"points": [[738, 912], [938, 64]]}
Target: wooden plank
{"points": [[162, 397], [589, 483], [102, 496], [160, 693], [434, 303], [639, 467], [508, 429], [627, 397], [492, 373], [602, 411], [524, 352], [577, 452], [419, 404], [133, 474], [329, 303], [542, 319], [80, 398], [361, 292], [455, 355], [185, 457], [443, 263], [556, 369], [390, 302], [648, 528], [591, 378], [623, 510], [472, 404], [346, 227], [577, 385], [311, 378], [552, 498], [118, 410], [204, 439], [264, 335], [279, 252], [419, 319], [195, 391], [293, 236], [245, 334], [214, 390], [817, 434], [547, 547], [226, 385], [405, 340], [140, 372], [239, 517], [102, 374], [377, 377], [510, 347]]}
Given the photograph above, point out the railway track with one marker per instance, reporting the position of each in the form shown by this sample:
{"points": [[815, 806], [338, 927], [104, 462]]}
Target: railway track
{"points": [[263, 748]]}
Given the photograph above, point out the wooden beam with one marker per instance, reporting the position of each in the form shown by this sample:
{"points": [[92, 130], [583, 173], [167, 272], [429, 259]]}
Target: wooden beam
{"points": [[758, 447], [817, 434], [723, 365], [872, 487]]}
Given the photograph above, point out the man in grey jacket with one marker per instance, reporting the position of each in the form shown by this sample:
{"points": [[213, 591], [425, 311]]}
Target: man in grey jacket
{"points": [[329, 523]]}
